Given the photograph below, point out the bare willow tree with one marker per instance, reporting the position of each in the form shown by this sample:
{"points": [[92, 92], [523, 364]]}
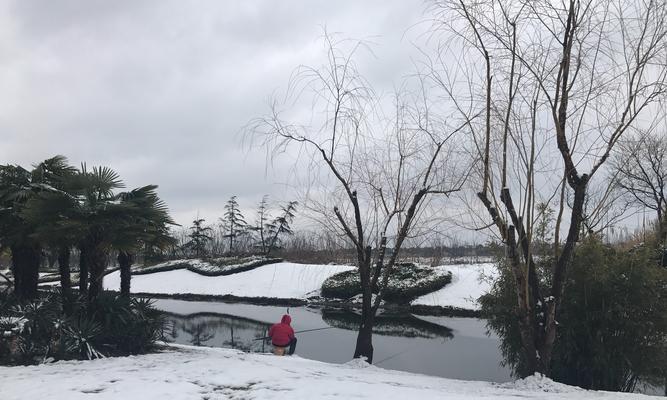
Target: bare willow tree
{"points": [[369, 177], [548, 89], [641, 163]]}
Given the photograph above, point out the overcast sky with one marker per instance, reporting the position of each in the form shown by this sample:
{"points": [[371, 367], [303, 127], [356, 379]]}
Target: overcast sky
{"points": [[159, 90]]}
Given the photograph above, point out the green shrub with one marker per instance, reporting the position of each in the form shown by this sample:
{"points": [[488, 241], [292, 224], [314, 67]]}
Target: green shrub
{"points": [[129, 326], [612, 324], [406, 283], [109, 326]]}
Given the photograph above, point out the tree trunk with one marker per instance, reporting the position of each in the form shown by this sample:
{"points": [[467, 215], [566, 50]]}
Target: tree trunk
{"points": [[83, 270], [98, 265], [364, 347], [65, 278], [559, 273], [25, 267], [125, 261], [16, 272]]}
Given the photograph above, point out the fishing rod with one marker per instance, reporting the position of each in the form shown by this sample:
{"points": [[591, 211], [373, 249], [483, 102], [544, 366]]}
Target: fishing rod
{"points": [[303, 331], [396, 354]]}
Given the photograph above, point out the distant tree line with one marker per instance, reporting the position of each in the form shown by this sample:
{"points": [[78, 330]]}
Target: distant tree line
{"points": [[233, 235]]}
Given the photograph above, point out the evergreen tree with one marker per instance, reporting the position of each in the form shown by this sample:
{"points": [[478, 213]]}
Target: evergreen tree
{"points": [[199, 237], [233, 222], [281, 225], [261, 222]]}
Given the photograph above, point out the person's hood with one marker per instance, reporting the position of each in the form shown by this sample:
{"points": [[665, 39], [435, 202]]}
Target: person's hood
{"points": [[286, 319]]}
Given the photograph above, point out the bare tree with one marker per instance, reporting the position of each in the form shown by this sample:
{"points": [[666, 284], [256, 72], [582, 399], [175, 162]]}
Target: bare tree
{"points": [[548, 89], [603, 207], [641, 163], [370, 177]]}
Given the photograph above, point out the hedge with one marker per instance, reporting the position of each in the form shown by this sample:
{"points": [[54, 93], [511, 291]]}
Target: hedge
{"points": [[407, 282]]}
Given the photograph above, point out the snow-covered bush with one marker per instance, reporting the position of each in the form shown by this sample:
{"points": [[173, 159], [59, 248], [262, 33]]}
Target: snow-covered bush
{"points": [[407, 282]]}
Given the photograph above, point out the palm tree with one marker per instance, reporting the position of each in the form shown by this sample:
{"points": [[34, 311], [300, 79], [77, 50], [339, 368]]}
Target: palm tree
{"points": [[17, 187], [88, 214], [145, 224], [96, 214], [53, 215]]}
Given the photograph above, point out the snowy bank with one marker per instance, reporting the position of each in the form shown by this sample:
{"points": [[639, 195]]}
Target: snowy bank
{"points": [[186, 372], [286, 280], [469, 282], [282, 280]]}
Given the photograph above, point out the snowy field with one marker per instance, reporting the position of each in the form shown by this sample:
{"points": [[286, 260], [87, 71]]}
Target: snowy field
{"points": [[469, 282], [205, 373], [282, 280]]}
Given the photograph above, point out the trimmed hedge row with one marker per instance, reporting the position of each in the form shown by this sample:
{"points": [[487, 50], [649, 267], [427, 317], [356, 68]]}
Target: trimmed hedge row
{"points": [[216, 267], [407, 282]]}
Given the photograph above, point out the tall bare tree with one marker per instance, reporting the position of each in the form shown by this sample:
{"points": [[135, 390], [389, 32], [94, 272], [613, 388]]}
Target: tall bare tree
{"points": [[369, 177], [548, 89]]}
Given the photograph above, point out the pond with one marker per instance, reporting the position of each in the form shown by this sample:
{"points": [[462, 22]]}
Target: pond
{"points": [[456, 348]]}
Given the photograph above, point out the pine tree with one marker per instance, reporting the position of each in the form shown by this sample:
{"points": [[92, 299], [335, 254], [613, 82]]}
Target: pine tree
{"points": [[233, 222], [261, 222], [199, 237], [281, 225]]}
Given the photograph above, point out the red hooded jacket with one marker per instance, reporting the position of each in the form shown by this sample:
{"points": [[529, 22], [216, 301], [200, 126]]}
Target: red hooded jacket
{"points": [[281, 334]]}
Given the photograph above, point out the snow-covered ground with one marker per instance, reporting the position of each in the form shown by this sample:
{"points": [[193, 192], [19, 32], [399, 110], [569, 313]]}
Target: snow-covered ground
{"points": [[205, 373], [469, 282], [281, 280], [298, 281]]}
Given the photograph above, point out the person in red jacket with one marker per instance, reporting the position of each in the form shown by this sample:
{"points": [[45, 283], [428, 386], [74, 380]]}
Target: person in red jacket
{"points": [[282, 335]]}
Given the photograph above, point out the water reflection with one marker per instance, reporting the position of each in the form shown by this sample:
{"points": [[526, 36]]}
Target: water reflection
{"points": [[222, 330], [448, 347], [218, 330], [388, 324]]}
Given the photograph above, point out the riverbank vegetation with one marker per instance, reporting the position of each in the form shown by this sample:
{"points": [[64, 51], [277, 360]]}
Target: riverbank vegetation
{"points": [[612, 326], [46, 329]]}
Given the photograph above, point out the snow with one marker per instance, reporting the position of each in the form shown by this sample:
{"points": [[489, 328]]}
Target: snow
{"points": [[216, 266], [281, 280], [469, 282], [184, 372], [11, 326], [300, 281]]}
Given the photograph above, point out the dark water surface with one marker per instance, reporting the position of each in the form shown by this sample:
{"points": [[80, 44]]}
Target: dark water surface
{"points": [[456, 348]]}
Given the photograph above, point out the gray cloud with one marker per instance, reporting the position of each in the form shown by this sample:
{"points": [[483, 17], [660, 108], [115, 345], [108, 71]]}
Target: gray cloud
{"points": [[159, 90]]}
